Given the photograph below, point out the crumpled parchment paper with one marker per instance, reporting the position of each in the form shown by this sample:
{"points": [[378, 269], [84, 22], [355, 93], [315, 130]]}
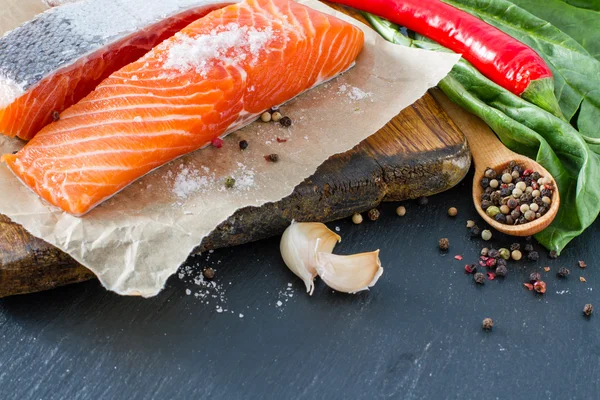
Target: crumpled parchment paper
{"points": [[135, 241]]}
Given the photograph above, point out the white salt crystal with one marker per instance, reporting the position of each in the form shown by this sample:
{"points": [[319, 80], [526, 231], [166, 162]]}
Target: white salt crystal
{"points": [[137, 118], [188, 291], [241, 315], [279, 303]]}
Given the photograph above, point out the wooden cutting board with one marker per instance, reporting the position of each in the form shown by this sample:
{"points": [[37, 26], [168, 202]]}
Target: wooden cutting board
{"points": [[419, 153]]}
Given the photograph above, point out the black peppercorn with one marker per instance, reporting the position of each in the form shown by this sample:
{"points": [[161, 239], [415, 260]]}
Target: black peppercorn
{"points": [[500, 261], [588, 309], [422, 201], [547, 193], [563, 272], [543, 210], [496, 197], [444, 244], [272, 157], [493, 253], [500, 218], [243, 144], [488, 190], [285, 121], [535, 176], [505, 192], [553, 254], [518, 168], [55, 116], [534, 277], [539, 201], [501, 270], [533, 256], [485, 183], [485, 204], [475, 231], [515, 246], [485, 196], [479, 278], [515, 214], [528, 247], [527, 181], [512, 165]]}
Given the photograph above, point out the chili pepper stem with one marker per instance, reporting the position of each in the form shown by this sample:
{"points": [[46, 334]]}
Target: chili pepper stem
{"points": [[541, 93]]}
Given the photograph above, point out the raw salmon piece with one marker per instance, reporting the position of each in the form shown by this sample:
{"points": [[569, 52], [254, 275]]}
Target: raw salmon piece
{"points": [[57, 58], [215, 76]]}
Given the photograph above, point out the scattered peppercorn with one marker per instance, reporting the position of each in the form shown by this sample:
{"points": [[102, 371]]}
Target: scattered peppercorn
{"points": [[475, 231], [487, 324], [516, 255], [534, 277], [479, 278], [493, 253], [401, 211], [452, 211], [582, 279], [533, 256], [272, 157], [504, 253], [528, 247], [444, 244], [422, 201], [470, 223], [588, 309], [243, 144], [501, 261], [563, 272], [208, 273], [515, 246], [546, 269], [484, 251], [373, 214], [553, 254], [217, 142], [581, 264], [229, 182], [286, 122], [357, 218], [276, 116], [486, 234], [501, 270], [55, 116], [265, 117]]}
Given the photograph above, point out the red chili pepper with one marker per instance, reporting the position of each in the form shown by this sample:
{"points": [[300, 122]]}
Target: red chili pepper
{"points": [[500, 57]]}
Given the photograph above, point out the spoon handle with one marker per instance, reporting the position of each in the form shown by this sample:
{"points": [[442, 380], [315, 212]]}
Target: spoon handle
{"points": [[486, 148]]}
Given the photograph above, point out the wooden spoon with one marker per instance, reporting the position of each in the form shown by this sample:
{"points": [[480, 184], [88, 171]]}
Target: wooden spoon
{"points": [[488, 151]]}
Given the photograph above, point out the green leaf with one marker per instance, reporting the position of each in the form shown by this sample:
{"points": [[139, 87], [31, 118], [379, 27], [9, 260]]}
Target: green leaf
{"points": [[586, 4], [577, 82], [580, 24]]}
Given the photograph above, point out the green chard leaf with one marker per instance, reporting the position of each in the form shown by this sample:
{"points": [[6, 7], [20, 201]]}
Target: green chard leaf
{"points": [[576, 72], [586, 4]]}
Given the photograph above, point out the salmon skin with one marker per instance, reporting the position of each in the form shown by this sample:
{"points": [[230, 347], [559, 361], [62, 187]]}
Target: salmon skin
{"points": [[57, 58], [215, 76]]}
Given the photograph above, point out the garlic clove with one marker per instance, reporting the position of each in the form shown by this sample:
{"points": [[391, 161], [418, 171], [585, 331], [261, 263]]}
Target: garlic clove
{"points": [[299, 246], [349, 274]]}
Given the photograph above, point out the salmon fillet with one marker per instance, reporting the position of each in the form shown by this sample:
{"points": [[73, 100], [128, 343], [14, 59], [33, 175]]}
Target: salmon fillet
{"points": [[60, 56], [215, 76]]}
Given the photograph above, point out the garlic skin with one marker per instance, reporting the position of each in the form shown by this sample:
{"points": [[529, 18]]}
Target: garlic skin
{"points": [[349, 274], [299, 246]]}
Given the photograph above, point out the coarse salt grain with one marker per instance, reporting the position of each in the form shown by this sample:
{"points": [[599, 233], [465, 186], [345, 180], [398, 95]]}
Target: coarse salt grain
{"points": [[230, 44]]}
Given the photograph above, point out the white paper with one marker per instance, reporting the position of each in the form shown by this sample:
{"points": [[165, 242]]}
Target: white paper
{"points": [[139, 238]]}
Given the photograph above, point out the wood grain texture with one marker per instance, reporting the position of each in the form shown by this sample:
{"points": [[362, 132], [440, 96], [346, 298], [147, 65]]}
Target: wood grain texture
{"points": [[419, 153]]}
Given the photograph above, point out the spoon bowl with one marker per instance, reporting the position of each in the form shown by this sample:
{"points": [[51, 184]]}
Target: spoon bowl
{"points": [[489, 152]]}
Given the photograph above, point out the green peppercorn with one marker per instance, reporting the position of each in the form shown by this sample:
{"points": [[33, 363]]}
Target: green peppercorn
{"points": [[229, 182], [492, 211], [504, 253], [486, 235]]}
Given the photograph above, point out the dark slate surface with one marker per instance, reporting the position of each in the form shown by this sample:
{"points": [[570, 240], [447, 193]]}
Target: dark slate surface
{"points": [[415, 335]]}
